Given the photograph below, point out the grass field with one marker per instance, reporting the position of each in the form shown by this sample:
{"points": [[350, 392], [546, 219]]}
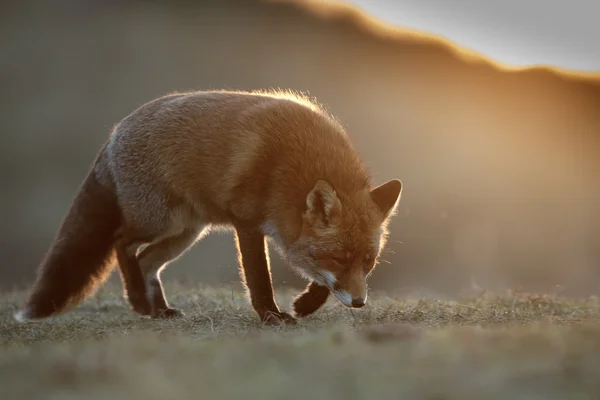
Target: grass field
{"points": [[506, 346]]}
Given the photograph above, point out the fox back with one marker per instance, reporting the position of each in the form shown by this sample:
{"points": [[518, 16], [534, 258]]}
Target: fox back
{"points": [[230, 152]]}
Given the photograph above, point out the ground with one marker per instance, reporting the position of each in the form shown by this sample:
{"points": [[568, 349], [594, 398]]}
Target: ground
{"points": [[502, 346]]}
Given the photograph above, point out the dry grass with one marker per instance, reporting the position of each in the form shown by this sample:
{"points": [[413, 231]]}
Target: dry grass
{"points": [[510, 346]]}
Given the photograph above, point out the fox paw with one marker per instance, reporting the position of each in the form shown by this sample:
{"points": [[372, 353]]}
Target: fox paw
{"points": [[140, 305], [168, 313], [277, 318], [309, 301]]}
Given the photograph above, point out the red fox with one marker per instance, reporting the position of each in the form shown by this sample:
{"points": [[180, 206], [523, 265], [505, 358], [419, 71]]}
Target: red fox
{"points": [[268, 165]]}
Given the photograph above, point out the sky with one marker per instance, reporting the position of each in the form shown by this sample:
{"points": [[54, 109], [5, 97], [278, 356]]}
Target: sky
{"points": [[563, 33]]}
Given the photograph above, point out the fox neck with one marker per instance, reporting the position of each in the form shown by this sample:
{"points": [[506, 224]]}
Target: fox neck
{"points": [[286, 248], [271, 230]]}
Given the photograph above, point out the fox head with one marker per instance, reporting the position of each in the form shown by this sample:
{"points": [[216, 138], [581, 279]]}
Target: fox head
{"points": [[342, 237]]}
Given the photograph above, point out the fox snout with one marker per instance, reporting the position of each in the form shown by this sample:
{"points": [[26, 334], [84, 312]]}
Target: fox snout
{"points": [[350, 290], [348, 299], [358, 303]]}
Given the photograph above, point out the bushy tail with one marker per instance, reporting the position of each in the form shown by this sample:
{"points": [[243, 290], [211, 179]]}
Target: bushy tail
{"points": [[81, 257]]}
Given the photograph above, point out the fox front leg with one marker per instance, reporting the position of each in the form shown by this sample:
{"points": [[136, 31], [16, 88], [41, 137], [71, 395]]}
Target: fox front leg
{"points": [[254, 263], [309, 301]]}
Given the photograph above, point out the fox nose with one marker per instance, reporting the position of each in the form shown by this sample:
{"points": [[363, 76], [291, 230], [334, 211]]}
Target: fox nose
{"points": [[358, 303]]}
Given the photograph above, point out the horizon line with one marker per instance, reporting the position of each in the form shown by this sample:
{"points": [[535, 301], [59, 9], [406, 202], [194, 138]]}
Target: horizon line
{"points": [[367, 22]]}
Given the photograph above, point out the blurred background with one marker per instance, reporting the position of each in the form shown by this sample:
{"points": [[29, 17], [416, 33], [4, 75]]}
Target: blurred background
{"points": [[501, 168]]}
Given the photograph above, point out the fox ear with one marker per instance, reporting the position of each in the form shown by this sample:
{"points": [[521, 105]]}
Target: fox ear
{"points": [[386, 196], [323, 204]]}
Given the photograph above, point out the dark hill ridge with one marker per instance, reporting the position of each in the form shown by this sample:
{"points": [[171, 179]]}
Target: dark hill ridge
{"points": [[501, 167]]}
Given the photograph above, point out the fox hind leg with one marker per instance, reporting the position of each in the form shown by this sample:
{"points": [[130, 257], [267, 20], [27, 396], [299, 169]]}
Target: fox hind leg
{"points": [[154, 258], [131, 275]]}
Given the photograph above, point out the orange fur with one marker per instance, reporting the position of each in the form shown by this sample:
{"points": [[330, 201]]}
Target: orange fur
{"points": [[267, 164]]}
